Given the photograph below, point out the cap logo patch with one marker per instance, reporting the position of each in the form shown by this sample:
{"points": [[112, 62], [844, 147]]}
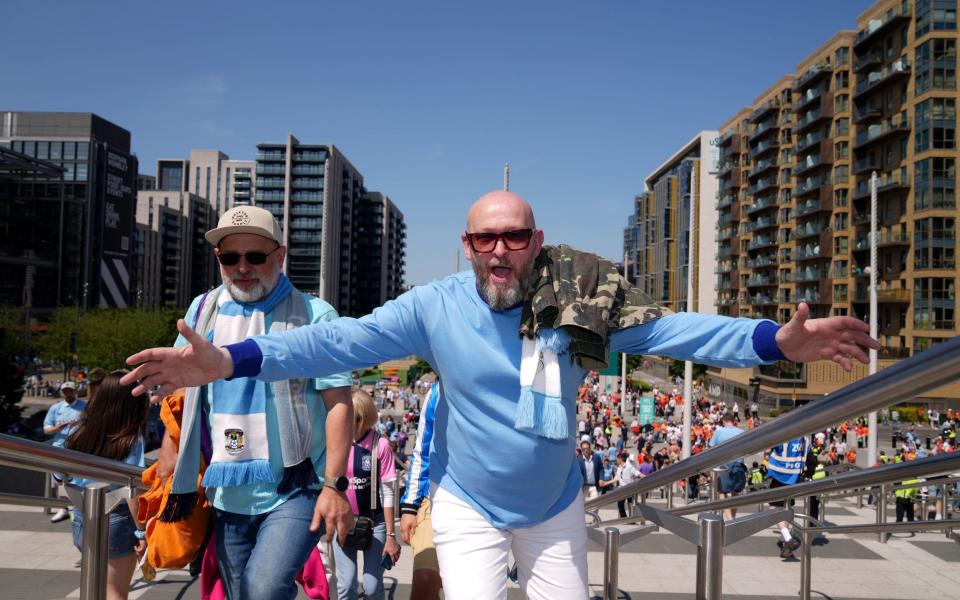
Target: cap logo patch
{"points": [[240, 218]]}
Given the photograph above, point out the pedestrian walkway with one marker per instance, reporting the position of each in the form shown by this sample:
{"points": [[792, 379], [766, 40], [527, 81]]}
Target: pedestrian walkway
{"points": [[38, 562]]}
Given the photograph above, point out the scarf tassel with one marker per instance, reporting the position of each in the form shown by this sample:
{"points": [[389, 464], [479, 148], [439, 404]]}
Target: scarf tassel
{"points": [[554, 419], [298, 477], [238, 473], [526, 409], [178, 507]]}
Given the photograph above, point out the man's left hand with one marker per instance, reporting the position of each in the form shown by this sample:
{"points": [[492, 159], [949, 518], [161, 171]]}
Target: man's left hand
{"points": [[840, 339], [334, 511]]}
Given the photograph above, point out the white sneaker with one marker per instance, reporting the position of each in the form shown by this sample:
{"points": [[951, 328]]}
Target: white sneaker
{"points": [[61, 515]]}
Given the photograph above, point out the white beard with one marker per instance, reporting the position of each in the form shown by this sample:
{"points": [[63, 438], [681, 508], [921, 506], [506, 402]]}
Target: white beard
{"points": [[254, 293]]}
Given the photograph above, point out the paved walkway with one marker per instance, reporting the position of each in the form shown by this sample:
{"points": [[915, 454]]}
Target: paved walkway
{"points": [[39, 562]]}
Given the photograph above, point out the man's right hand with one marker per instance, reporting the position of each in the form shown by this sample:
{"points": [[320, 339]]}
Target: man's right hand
{"points": [[408, 525], [169, 369]]}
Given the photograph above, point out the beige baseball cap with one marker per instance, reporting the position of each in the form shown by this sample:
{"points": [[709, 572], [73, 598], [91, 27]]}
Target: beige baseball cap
{"points": [[246, 219]]}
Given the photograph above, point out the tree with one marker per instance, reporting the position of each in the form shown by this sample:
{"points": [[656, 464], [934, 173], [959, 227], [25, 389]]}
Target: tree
{"points": [[677, 369], [14, 347]]}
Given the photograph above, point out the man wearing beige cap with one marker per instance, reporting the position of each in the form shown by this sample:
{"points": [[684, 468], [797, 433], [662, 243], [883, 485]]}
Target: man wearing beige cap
{"points": [[275, 456]]}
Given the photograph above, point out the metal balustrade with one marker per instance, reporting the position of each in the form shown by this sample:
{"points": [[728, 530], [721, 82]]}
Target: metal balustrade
{"points": [[931, 369]]}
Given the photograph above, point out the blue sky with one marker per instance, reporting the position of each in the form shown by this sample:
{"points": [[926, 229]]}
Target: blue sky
{"points": [[427, 99]]}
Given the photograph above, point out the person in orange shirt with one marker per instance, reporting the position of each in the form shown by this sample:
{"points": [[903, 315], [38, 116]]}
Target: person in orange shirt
{"points": [[852, 456]]}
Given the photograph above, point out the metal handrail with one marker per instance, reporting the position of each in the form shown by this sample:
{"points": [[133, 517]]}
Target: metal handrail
{"points": [[929, 370], [932, 465], [37, 456], [96, 500]]}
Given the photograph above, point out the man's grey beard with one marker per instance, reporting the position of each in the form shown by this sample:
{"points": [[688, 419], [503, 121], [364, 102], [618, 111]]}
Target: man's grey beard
{"points": [[502, 298], [252, 294]]}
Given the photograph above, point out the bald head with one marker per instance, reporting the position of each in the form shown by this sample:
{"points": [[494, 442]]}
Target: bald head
{"points": [[500, 211]]}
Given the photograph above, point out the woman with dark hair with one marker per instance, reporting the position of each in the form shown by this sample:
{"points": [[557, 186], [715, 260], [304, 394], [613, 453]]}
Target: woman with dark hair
{"points": [[113, 427]]}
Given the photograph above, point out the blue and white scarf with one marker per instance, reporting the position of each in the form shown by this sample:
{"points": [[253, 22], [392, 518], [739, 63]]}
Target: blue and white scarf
{"points": [[540, 409], [238, 427]]}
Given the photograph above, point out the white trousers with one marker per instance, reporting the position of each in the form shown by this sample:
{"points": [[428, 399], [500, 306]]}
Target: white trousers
{"points": [[473, 554]]}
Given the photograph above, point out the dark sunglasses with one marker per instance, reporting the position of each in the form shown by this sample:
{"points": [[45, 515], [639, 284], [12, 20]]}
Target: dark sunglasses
{"points": [[518, 239], [229, 259]]}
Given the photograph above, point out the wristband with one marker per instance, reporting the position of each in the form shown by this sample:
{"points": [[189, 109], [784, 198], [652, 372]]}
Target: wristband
{"points": [[140, 534]]}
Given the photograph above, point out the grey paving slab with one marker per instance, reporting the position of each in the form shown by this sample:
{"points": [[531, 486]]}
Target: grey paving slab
{"points": [[28, 584], [948, 551], [34, 520]]}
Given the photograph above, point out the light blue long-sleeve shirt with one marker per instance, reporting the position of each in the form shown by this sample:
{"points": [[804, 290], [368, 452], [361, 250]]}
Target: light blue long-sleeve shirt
{"points": [[513, 478]]}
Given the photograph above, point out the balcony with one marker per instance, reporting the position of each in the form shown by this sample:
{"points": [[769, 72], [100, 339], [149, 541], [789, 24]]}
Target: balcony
{"points": [[811, 251], [761, 241], [893, 72], [761, 223], [867, 113], [808, 163], [865, 62], [761, 185], [762, 129], [806, 186], [865, 165], [270, 157], [763, 300], [725, 167], [763, 147], [813, 75], [762, 261], [812, 117], [809, 296], [725, 267], [884, 238], [727, 251], [761, 281], [727, 284], [724, 234], [731, 183], [888, 182], [900, 15], [725, 301], [808, 274], [806, 142], [805, 99], [762, 204], [763, 165], [889, 295], [726, 200], [764, 109], [808, 230]]}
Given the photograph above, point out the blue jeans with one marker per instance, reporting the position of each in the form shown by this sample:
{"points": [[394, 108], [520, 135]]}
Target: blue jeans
{"points": [[372, 567], [121, 539], [260, 555]]}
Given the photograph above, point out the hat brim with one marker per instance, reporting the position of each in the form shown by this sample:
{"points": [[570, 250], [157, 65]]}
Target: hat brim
{"points": [[215, 236]]}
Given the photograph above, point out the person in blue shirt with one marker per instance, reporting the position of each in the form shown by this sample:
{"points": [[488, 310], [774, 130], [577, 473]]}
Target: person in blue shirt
{"points": [[734, 479], [787, 465], [113, 428], [60, 422], [416, 525], [495, 486], [591, 469]]}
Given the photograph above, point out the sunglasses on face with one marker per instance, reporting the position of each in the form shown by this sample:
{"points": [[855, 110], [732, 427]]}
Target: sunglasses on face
{"points": [[518, 239], [229, 259]]}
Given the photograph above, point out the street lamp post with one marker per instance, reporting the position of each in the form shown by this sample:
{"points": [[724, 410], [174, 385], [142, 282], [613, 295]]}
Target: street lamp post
{"points": [[872, 417], [688, 365]]}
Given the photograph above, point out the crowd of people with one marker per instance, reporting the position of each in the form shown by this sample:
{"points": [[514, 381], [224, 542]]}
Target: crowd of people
{"points": [[286, 454]]}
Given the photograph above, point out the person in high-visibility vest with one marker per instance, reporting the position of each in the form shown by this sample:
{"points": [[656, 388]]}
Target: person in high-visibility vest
{"points": [[818, 473], [906, 498]]}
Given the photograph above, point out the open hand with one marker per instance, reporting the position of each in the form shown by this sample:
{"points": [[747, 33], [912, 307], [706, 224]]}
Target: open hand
{"points": [[840, 339], [169, 369]]}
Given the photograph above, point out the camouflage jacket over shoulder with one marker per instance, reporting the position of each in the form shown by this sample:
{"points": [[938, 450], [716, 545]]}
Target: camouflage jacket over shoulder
{"points": [[586, 296]]}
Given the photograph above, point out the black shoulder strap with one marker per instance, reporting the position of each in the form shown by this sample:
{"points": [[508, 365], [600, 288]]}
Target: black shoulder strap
{"points": [[374, 471]]}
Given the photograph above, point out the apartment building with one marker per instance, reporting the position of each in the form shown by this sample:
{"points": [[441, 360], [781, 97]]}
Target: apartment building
{"points": [[795, 196], [379, 249], [657, 237]]}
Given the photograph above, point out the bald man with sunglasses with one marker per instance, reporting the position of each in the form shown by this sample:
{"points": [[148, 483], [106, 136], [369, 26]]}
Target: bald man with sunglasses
{"points": [[498, 483]]}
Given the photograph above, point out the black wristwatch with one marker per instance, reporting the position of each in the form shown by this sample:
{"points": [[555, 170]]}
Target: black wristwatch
{"points": [[340, 483]]}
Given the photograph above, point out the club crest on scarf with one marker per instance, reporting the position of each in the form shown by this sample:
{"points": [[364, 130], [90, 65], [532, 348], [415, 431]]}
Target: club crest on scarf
{"points": [[234, 441]]}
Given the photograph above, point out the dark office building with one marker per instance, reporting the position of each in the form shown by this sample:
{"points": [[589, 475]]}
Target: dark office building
{"points": [[379, 248], [31, 206], [99, 184]]}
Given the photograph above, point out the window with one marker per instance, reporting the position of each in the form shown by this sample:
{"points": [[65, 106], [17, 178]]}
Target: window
{"points": [[842, 56], [841, 150], [841, 198], [83, 149], [840, 221], [936, 65], [840, 292], [841, 103], [841, 127], [841, 174], [841, 80], [943, 13], [81, 171], [56, 150], [841, 245]]}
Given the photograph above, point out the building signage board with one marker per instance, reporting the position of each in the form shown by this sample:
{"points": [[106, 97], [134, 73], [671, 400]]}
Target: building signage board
{"points": [[646, 410]]}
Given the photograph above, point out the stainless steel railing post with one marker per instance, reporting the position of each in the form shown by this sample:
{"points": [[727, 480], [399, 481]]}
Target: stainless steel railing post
{"points": [[822, 514], [710, 557], [715, 473], [882, 512], [670, 497], [611, 564], [806, 563], [48, 490], [93, 566]]}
